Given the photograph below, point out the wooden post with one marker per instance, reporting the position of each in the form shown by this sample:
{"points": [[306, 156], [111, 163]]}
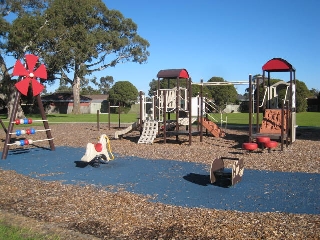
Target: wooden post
{"points": [[201, 110], [45, 123], [119, 109], [109, 117], [10, 127], [98, 121], [164, 107], [141, 113], [189, 97]]}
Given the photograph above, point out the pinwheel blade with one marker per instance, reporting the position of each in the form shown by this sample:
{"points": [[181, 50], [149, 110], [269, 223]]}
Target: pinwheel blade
{"points": [[19, 69], [41, 72], [36, 87], [31, 61], [23, 86]]}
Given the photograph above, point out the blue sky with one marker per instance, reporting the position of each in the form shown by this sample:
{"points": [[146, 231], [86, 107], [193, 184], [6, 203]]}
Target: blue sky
{"points": [[223, 38], [229, 39]]}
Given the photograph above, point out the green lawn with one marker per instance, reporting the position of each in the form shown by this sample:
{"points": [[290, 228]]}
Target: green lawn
{"points": [[305, 119], [8, 232]]}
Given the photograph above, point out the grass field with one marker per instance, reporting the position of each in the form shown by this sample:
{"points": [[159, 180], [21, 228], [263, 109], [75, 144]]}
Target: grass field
{"points": [[305, 119], [8, 232]]}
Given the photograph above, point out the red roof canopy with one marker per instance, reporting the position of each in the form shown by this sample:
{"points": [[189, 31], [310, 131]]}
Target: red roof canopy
{"points": [[173, 73], [277, 65]]}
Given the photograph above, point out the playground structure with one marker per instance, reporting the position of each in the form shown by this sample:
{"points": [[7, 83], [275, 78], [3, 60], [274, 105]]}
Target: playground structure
{"points": [[99, 152], [278, 123], [28, 76], [279, 117], [178, 100]]}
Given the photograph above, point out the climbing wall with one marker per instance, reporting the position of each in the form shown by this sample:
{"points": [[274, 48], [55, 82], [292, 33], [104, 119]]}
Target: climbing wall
{"points": [[271, 122], [149, 133]]}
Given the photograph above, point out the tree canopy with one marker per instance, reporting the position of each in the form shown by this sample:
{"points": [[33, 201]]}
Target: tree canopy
{"points": [[76, 39], [222, 95], [123, 92], [302, 93]]}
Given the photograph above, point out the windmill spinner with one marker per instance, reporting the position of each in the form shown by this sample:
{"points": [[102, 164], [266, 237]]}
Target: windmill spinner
{"points": [[29, 75]]}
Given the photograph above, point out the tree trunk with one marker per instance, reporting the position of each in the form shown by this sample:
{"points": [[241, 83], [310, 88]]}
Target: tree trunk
{"points": [[9, 91], [76, 95], [11, 98]]}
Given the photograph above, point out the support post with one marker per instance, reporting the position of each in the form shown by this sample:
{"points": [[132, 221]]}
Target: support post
{"points": [[190, 110], [98, 120], [201, 111], [164, 107], [45, 123], [250, 108]]}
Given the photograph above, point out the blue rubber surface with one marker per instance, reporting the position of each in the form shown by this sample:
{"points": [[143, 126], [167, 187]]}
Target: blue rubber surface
{"points": [[173, 182]]}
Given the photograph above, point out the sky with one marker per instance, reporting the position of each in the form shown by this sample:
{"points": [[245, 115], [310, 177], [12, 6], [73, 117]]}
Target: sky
{"points": [[221, 38]]}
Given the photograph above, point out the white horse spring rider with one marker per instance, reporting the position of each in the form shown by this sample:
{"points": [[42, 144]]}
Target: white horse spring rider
{"points": [[101, 150]]}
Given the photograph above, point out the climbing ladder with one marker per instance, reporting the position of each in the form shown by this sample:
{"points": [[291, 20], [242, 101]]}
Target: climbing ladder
{"points": [[149, 133], [212, 128]]}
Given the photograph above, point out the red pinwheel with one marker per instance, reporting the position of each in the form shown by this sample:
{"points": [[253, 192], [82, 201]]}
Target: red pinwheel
{"points": [[29, 75]]}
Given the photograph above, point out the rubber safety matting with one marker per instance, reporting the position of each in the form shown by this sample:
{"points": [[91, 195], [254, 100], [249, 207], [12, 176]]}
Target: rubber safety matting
{"points": [[174, 182]]}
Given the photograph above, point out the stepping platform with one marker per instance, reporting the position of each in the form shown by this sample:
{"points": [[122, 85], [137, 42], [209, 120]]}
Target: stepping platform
{"points": [[250, 146], [262, 140], [270, 145]]}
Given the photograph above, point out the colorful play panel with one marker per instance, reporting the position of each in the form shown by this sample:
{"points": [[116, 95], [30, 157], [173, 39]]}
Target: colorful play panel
{"points": [[174, 182]]}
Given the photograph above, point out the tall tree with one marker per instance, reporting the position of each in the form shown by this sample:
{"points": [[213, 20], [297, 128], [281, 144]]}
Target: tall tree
{"points": [[16, 9], [77, 38], [104, 85]]}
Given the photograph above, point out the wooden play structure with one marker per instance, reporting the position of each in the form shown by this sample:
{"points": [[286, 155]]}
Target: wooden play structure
{"points": [[279, 116], [28, 75], [177, 100]]}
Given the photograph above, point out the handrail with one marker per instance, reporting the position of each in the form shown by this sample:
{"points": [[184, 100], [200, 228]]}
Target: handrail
{"points": [[264, 97]]}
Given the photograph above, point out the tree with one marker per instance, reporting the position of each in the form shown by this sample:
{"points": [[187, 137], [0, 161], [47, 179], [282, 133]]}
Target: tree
{"points": [[314, 92], [76, 39], [302, 93], [104, 84], [17, 9], [123, 92], [222, 94]]}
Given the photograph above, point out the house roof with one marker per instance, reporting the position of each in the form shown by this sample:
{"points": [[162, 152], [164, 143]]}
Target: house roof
{"points": [[97, 97], [63, 97]]}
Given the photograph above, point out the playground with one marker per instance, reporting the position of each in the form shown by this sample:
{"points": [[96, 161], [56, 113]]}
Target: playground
{"points": [[169, 186], [155, 179]]}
